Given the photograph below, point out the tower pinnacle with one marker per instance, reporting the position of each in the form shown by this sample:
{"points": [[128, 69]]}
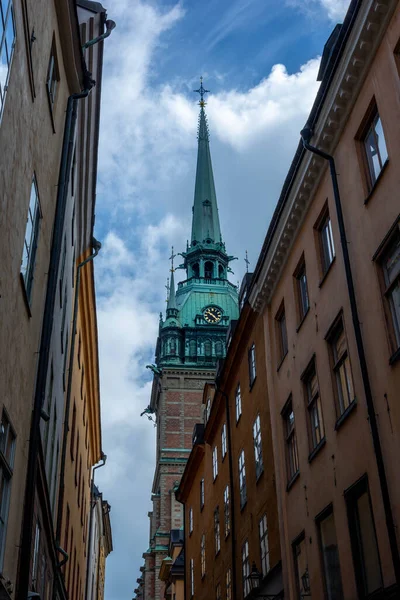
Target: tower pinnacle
{"points": [[202, 91]]}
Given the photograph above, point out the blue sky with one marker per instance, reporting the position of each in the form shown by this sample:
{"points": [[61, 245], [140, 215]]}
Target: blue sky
{"points": [[260, 60]]}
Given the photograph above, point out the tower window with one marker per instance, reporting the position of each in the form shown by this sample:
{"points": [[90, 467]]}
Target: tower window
{"points": [[207, 348], [192, 348], [208, 270], [196, 270], [221, 272]]}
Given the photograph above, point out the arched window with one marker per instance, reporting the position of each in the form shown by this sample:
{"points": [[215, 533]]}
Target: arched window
{"points": [[196, 270], [218, 348], [208, 270], [207, 348], [192, 348], [221, 272], [172, 346]]}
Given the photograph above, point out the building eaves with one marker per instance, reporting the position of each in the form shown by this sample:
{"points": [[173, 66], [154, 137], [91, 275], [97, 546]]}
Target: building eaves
{"points": [[95, 7]]}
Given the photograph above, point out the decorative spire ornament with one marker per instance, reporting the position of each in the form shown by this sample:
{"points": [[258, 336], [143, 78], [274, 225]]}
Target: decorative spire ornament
{"points": [[246, 260], [202, 91]]}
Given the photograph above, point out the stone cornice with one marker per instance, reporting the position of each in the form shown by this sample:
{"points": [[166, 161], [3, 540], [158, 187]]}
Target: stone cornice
{"points": [[361, 46]]}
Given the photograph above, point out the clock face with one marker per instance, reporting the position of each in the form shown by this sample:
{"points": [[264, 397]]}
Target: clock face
{"points": [[212, 314]]}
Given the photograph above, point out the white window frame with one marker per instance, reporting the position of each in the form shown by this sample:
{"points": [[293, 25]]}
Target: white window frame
{"points": [[227, 511], [7, 47], [242, 479], [258, 446], [203, 555], [252, 364], [202, 493], [215, 462], [245, 569], [31, 239], [217, 531], [191, 578], [190, 520], [264, 545], [223, 441], [238, 403], [7, 455]]}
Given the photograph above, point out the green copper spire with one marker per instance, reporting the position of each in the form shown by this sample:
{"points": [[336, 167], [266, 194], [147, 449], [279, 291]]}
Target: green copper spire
{"points": [[205, 224], [172, 309]]}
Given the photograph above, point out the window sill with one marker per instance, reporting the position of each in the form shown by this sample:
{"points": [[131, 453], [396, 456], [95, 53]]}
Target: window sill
{"points": [[377, 180], [252, 383], [395, 357], [25, 295], [215, 478], [346, 413], [317, 448], [293, 480], [243, 506], [282, 360], [303, 318], [237, 420], [325, 275]]}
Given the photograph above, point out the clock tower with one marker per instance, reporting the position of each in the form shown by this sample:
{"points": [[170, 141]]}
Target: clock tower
{"points": [[192, 337]]}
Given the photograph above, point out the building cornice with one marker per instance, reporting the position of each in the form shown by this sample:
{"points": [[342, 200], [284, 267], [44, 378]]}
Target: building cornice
{"points": [[361, 46]]}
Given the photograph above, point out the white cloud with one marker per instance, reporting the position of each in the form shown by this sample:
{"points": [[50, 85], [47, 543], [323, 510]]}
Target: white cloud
{"points": [[335, 9]]}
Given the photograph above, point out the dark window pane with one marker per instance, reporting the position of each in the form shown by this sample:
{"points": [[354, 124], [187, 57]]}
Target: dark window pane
{"points": [[330, 556], [367, 545]]}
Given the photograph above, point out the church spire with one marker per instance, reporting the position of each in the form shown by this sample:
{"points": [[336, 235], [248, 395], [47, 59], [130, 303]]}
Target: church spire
{"points": [[205, 224], [172, 310]]}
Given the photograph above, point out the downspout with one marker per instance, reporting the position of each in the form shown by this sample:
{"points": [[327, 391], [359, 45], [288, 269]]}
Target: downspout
{"points": [[184, 551], [96, 247], [306, 135], [47, 328], [231, 491], [92, 506]]}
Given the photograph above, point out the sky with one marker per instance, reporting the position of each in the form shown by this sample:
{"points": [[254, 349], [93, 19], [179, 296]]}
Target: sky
{"points": [[260, 60]]}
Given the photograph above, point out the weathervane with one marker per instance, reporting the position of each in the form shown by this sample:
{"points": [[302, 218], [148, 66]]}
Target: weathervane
{"points": [[246, 260], [171, 258], [202, 91]]}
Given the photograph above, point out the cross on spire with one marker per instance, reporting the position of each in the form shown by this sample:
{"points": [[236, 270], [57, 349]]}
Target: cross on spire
{"points": [[202, 91], [246, 260], [171, 258]]}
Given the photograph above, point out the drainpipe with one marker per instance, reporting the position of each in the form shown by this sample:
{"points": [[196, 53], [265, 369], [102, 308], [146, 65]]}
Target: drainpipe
{"points": [[92, 506], [231, 491], [96, 247], [110, 25], [306, 135], [47, 328], [184, 550]]}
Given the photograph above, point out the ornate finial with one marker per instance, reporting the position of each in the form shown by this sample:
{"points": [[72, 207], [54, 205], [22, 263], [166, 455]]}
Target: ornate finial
{"points": [[202, 91], [171, 258], [167, 288], [246, 260]]}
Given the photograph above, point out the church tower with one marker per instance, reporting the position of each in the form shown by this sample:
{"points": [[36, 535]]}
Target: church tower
{"points": [[191, 340]]}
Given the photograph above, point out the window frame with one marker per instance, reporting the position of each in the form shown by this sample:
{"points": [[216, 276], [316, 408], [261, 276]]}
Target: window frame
{"points": [[27, 273], [52, 79], [257, 444], [217, 531], [313, 403], [203, 555], [191, 578], [252, 364], [281, 333], [9, 54], [242, 479], [324, 223], [337, 362], [223, 441], [215, 462], [319, 520], [8, 441], [387, 288], [238, 403], [228, 584], [245, 569], [368, 127], [302, 295], [264, 544], [202, 494], [190, 520], [227, 511], [298, 576], [291, 449]]}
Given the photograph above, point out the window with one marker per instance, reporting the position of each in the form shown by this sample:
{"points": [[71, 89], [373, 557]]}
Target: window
{"points": [[238, 403], [390, 265], [217, 535], [203, 555], [363, 539], [327, 248], [330, 556], [201, 494], [374, 146], [223, 441], [227, 512], [190, 520], [35, 558], [7, 452], [242, 480], [218, 595], [341, 368], [228, 581], [291, 442], [31, 239], [53, 76], [208, 409], [191, 578], [281, 333], [258, 446], [301, 289], [315, 420], [7, 43], [215, 462], [245, 569], [301, 566], [252, 364], [264, 548]]}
